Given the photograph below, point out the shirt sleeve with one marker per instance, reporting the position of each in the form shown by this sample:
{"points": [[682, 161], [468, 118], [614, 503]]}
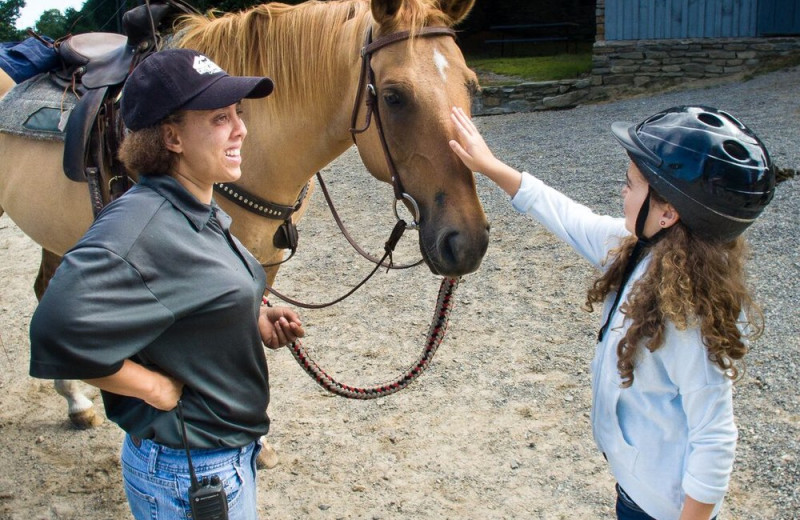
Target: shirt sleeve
{"points": [[97, 311], [707, 400], [591, 235]]}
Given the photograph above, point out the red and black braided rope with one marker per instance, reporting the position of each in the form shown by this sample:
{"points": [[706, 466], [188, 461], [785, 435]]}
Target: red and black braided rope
{"points": [[444, 304]]}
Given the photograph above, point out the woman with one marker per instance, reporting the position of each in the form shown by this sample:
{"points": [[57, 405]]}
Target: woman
{"points": [[158, 302], [677, 311]]}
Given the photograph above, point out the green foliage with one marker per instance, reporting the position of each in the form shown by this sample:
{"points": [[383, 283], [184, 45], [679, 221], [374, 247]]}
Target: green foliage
{"points": [[52, 23], [532, 68], [9, 13]]}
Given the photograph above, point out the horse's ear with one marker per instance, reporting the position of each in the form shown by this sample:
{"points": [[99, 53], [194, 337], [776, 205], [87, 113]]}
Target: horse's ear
{"points": [[457, 10], [385, 10]]}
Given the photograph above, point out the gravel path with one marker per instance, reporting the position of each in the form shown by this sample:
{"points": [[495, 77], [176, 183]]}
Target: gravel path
{"points": [[498, 426], [574, 152]]}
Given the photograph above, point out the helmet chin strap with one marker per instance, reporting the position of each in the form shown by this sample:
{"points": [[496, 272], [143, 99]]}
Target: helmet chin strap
{"points": [[642, 243], [641, 218]]}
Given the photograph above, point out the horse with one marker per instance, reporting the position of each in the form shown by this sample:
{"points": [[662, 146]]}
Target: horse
{"points": [[313, 53]]}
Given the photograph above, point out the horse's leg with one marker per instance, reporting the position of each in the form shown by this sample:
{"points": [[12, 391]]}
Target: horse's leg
{"points": [[47, 268], [81, 410], [268, 457]]}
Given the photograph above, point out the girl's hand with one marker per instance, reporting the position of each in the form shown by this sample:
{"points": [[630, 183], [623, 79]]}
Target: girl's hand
{"points": [[472, 149], [279, 326], [475, 154]]}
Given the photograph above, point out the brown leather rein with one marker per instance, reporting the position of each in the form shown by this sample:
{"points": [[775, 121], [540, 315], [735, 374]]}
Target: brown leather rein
{"points": [[445, 300], [264, 208]]}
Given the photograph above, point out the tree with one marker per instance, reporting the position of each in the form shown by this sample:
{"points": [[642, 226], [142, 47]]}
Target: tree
{"points": [[9, 13], [52, 23]]}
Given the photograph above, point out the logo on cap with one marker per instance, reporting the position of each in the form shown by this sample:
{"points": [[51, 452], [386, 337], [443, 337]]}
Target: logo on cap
{"points": [[203, 65]]}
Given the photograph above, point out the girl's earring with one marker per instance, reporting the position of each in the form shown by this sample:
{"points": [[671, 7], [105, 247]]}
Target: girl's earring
{"points": [[663, 223]]}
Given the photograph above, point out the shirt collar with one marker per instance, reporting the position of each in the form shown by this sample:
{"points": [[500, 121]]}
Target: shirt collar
{"points": [[195, 211]]}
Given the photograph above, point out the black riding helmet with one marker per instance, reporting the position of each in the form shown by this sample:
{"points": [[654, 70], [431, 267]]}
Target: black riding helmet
{"points": [[709, 166]]}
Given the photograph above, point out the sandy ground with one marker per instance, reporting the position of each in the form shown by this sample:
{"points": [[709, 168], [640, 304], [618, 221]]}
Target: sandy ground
{"points": [[498, 427]]}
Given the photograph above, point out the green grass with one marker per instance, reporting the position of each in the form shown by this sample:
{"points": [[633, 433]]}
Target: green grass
{"points": [[533, 68]]}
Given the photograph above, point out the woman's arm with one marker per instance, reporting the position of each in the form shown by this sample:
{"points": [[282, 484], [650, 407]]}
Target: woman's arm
{"points": [[133, 380]]}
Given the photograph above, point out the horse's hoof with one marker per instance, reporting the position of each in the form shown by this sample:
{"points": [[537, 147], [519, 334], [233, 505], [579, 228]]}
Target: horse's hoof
{"points": [[85, 419], [268, 458]]}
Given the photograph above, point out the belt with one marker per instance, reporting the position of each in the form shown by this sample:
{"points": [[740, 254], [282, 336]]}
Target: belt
{"points": [[135, 440]]}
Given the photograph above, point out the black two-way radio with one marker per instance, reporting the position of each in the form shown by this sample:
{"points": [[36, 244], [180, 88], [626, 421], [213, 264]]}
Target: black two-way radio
{"points": [[206, 498]]}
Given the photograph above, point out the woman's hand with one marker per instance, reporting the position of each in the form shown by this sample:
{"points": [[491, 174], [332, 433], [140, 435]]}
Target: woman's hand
{"points": [[132, 379], [279, 326], [166, 392]]}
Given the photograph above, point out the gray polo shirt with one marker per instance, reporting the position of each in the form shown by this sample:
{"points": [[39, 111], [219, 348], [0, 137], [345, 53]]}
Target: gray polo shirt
{"points": [[159, 279]]}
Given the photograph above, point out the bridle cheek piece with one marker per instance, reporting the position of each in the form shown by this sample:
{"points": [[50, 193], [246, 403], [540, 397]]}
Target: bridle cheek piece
{"points": [[366, 83]]}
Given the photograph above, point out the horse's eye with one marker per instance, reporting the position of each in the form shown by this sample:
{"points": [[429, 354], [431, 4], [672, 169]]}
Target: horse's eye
{"points": [[392, 99]]}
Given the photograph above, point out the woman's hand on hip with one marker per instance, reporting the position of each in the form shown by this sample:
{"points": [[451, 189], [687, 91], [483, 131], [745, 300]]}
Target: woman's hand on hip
{"points": [[134, 380]]}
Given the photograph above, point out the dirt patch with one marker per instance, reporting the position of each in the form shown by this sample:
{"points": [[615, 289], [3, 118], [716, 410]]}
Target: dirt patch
{"points": [[498, 427]]}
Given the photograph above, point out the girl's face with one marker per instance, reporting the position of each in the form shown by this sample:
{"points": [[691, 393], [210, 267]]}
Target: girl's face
{"points": [[208, 144], [661, 215]]}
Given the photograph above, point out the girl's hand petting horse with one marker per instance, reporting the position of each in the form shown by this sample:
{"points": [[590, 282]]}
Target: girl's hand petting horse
{"points": [[476, 155]]}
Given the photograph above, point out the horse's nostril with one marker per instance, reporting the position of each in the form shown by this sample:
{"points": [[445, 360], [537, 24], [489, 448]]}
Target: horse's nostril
{"points": [[457, 252], [450, 247]]}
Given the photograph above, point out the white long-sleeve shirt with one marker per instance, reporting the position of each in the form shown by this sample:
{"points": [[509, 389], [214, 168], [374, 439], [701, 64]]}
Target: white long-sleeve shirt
{"points": [[672, 432]]}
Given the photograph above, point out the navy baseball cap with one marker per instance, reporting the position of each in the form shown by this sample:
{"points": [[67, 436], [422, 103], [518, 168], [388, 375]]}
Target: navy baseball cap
{"points": [[182, 79]]}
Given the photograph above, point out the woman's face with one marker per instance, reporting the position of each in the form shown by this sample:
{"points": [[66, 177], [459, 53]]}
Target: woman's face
{"points": [[208, 145], [633, 194]]}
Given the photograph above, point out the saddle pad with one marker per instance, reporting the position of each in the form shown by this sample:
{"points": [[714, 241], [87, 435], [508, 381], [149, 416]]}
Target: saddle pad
{"points": [[37, 108]]}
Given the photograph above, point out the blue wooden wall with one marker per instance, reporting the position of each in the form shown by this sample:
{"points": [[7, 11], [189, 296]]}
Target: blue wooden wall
{"points": [[779, 17], [669, 19]]}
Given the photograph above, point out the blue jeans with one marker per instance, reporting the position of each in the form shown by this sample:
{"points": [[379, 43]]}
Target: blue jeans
{"points": [[156, 479], [627, 509]]}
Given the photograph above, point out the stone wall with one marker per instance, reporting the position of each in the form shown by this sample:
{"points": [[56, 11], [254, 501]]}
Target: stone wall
{"points": [[640, 66], [626, 68], [528, 97]]}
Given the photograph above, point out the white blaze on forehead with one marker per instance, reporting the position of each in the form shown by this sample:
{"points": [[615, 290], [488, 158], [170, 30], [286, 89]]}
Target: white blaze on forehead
{"points": [[441, 64]]}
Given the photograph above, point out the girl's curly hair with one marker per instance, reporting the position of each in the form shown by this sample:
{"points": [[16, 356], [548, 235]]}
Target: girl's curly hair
{"points": [[690, 282]]}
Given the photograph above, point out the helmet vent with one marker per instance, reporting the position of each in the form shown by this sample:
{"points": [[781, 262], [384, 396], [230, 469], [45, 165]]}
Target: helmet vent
{"points": [[736, 150], [710, 120]]}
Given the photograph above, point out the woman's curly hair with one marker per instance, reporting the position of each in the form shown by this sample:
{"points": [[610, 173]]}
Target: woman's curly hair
{"points": [[143, 152], [690, 282]]}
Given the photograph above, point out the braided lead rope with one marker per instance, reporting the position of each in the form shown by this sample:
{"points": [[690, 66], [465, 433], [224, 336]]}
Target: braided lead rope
{"points": [[441, 315]]}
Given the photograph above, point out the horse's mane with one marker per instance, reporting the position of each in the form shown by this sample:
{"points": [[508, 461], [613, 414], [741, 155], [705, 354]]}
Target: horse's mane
{"points": [[269, 39]]}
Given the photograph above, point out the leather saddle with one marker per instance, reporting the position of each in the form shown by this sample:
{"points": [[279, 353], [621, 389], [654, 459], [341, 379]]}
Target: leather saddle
{"points": [[96, 65]]}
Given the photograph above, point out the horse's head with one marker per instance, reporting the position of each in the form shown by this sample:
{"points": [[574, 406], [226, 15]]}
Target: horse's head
{"points": [[416, 82]]}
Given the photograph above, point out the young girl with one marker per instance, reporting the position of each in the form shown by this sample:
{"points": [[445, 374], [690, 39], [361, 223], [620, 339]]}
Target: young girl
{"points": [[673, 294]]}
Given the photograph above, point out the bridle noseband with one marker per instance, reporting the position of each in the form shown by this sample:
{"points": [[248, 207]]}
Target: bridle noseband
{"points": [[366, 83]]}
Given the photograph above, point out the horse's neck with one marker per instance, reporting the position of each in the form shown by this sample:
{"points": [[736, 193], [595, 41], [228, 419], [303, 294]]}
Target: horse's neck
{"points": [[304, 124]]}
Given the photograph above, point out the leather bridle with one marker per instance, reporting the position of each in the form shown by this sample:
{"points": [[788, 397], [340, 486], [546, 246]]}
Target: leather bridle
{"points": [[286, 236], [367, 83]]}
